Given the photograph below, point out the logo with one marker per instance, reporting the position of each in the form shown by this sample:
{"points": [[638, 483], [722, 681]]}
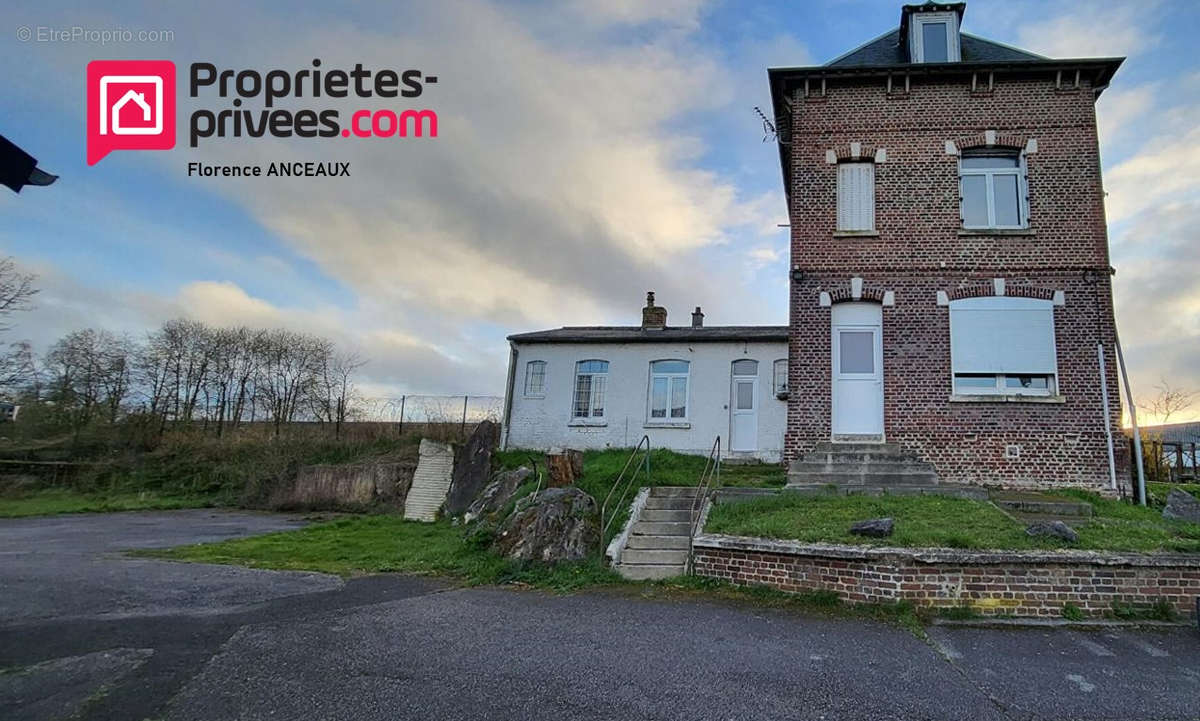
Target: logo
{"points": [[131, 106]]}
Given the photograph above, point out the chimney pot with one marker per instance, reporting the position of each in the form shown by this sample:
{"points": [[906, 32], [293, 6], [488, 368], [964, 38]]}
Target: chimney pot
{"points": [[653, 316], [697, 318]]}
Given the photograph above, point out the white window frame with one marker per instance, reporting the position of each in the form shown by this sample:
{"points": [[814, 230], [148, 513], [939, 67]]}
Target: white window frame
{"points": [[671, 378], [862, 217], [597, 392], [989, 175], [917, 35], [540, 392], [1000, 388], [779, 389]]}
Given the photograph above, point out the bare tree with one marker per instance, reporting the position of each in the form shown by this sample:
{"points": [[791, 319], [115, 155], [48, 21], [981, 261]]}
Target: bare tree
{"points": [[16, 290], [1168, 401], [334, 389]]}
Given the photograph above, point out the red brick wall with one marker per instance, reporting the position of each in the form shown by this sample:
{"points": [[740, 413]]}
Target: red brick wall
{"points": [[1036, 587], [919, 252]]}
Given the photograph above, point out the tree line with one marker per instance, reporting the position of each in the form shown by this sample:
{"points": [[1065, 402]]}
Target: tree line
{"points": [[186, 372]]}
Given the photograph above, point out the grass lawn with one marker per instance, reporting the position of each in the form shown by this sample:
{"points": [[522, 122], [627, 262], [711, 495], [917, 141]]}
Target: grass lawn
{"points": [[49, 501], [934, 521], [667, 468], [376, 544], [387, 543]]}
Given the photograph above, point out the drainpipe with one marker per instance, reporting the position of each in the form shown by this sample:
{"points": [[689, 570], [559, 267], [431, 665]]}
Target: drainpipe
{"points": [[1137, 436], [508, 394], [1112, 463]]}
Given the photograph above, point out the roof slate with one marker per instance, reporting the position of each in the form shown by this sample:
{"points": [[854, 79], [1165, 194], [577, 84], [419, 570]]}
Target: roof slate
{"points": [[886, 50], [637, 334]]}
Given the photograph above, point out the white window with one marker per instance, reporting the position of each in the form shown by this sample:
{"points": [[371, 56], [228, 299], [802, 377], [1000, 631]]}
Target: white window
{"points": [[668, 390], [992, 187], [591, 380], [856, 196], [1002, 345], [933, 38], [781, 379], [535, 379]]}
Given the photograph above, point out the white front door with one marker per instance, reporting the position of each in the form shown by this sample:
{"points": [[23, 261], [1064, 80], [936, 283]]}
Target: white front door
{"points": [[857, 336], [743, 404]]}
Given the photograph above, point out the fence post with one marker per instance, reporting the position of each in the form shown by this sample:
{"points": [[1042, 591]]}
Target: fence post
{"points": [[400, 432], [463, 430]]}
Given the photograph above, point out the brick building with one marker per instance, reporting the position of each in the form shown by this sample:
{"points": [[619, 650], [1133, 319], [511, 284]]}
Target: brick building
{"points": [[950, 277]]}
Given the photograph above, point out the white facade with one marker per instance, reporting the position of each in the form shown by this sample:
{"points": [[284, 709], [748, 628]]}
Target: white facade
{"points": [[544, 410]]}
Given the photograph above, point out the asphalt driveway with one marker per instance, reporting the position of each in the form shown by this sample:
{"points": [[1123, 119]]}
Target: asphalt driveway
{"points": [[88, 632]]}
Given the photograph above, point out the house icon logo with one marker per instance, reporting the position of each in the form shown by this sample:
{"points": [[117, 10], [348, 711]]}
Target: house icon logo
{"points": [[131, 106]]}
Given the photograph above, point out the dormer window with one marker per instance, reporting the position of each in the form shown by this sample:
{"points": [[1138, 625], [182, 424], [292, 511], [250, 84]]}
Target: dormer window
{"points": [[934, 37]]}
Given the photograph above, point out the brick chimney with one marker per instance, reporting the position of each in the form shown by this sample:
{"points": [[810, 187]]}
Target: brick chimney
{"points": [[653, 316], [697, 318]]}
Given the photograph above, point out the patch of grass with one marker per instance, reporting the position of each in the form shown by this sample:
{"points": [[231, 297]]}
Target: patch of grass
{"points": [[50, 501], [388, 543], [935, 521], [667, 468], [1071, 612], [959, 613], [813, 602]]}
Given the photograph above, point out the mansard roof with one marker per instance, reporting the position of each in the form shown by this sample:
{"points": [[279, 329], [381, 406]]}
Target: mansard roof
{"points": [[887, 50]]}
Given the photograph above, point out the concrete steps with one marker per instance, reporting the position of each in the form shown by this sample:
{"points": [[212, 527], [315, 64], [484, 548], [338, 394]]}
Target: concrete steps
{"points": [[862, 467], [658, 543]]}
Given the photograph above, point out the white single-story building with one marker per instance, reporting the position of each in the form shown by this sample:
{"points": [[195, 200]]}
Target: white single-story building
{"points": [[607, 386]]}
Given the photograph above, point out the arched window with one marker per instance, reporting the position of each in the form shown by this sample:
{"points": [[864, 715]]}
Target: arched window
{"points": [[668, 390], [993, 189], [535, 379], [1001, 345], [780, 377], [591, 380], [745, 367]]}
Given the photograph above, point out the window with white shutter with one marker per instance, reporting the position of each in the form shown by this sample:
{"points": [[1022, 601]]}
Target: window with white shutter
{"points": [[1003, 345], [856, 196]]}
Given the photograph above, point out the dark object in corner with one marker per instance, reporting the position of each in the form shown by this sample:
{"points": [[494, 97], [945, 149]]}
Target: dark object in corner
{"points": [[875, 527], [1054, 529], [18, 168]]}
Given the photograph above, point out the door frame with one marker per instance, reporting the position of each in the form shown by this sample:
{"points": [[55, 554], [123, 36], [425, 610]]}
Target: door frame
{"points": [[857, 316], [733, 409]]}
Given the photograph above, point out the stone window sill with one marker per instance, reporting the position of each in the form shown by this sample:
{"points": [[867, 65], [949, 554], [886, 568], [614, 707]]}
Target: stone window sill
{"points": [[856, 233], [580, 423], [535, 397], [658, 424], [1006, 398], [1013, 232]]}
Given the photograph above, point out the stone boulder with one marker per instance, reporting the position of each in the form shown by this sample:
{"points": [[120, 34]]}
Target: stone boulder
{"points": [[558, 524], [1182, 506], [497, 494], [874, 527], [471, 468], [1053, 529]]}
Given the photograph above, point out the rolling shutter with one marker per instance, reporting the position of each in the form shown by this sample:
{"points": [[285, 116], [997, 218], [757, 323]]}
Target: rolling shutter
{"points": [[856, 196], [1002, 335]]}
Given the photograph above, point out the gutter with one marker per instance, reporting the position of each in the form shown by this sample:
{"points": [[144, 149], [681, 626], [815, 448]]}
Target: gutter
{"points": [[508, 395]]}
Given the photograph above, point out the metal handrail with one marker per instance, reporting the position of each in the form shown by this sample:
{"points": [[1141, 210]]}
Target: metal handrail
{"points": [[643, 464], [710, 480]]}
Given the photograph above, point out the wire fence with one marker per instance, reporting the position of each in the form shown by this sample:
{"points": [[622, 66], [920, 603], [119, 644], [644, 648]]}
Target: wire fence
{"points": [[447, 415]]}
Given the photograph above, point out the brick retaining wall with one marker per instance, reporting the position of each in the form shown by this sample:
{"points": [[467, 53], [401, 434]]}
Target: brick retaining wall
{"points": [[1017, 583]]}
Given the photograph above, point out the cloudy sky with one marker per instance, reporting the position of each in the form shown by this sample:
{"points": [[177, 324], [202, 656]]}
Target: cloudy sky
{"points": [[589, 150]]}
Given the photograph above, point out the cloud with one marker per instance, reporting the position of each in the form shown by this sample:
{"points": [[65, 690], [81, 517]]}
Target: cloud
{"points": [[1076, 33]]}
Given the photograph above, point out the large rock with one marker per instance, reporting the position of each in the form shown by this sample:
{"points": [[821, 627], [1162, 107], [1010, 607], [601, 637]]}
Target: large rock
{"points": [[874, 527], [497, 494], [1053, 529], [558, 524], [355, 487], [1182, 506], [471, 468]]}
